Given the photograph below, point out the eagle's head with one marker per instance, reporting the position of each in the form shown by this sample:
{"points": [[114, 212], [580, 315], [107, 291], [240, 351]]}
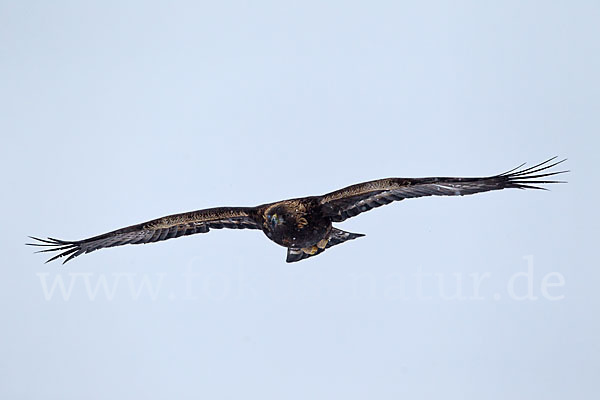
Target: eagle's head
{"points": [[278, 221], [275, 220]]}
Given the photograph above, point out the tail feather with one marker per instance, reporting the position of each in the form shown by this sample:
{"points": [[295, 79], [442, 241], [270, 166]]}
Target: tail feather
{"points": [[336, 236]]}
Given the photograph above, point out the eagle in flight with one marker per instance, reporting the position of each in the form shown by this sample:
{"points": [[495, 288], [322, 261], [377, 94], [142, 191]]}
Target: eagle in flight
{"points": [[303, 225]]}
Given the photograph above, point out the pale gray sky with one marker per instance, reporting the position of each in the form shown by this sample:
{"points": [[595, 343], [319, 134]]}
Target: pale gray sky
{"points": [[118, 112]]}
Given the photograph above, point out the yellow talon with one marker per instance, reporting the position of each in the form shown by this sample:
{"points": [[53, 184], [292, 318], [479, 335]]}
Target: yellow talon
{"points": [[322, 243], [310, 250], [302, 222]]}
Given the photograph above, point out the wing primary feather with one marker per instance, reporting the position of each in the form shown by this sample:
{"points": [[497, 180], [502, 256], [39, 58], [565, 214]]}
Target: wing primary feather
{"points": [[538, 175], [48, 241], [535, 166], [539, 167], [511, 170], [72, 256], [62, 254], [54, 249], [525, 186]]}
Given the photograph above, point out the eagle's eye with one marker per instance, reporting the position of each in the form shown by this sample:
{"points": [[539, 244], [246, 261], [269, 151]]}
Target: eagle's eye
{"points": [[273, 220]]}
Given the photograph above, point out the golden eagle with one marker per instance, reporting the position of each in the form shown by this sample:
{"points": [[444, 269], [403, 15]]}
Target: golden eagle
{"points": [[303, 225]]}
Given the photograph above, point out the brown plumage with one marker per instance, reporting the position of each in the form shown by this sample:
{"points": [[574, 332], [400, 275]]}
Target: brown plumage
{"points": [[303, 225]]}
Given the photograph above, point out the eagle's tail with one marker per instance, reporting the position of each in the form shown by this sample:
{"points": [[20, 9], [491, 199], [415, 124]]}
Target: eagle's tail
{"points": [[336, 236]]}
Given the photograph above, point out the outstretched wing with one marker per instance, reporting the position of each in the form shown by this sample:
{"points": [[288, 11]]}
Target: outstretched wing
{"points": [[355, 199], [156, 230]]}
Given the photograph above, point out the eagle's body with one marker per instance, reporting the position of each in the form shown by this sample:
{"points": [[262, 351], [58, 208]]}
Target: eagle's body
{"points": [[302, 225]]}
